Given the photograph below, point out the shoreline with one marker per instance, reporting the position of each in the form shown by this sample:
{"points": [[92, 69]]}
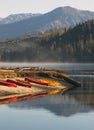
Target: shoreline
{"points": [[55, 78]]}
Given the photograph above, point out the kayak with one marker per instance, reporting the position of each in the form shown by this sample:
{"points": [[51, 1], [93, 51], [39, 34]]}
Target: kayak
{"points": [[36, 81], [8, 100], [19, 83], [8, 84]]}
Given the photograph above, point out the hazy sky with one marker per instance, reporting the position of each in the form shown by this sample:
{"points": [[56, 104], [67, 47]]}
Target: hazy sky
{"points": [[40, 6]]}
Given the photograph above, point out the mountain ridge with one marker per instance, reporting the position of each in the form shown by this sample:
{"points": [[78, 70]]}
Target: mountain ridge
{"points": [[12, 18], [61, 17]]}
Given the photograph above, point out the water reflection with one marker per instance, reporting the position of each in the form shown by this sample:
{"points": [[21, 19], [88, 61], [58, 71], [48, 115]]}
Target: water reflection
{"points": [[75, 101]]}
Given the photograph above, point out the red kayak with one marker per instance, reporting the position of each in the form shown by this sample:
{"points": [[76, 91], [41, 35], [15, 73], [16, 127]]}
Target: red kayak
{"points": [[36, 81], [8, 84], [8, 100], [19, 83], [40, 95]]}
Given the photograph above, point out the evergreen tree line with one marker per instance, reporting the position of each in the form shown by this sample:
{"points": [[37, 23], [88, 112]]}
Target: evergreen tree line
{"points": [[72, 45]]}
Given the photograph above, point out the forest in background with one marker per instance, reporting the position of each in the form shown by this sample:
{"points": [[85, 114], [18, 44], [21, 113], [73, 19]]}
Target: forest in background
{"points": [[58, 45]]}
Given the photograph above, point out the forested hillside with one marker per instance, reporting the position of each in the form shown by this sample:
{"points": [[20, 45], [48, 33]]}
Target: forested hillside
{"points": [[73, 45]]}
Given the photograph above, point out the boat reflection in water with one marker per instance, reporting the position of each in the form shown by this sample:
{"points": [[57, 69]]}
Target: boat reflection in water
{"points": [[80, 100], [28, 96]]}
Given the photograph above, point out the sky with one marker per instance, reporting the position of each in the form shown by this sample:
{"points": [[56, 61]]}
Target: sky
{"points": [[8, 7]]}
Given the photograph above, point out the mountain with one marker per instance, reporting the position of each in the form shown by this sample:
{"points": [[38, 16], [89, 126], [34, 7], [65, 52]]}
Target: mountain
{"points": [[73, 45], [62, 17], [16, 18], [0, 18], [61, 105]]}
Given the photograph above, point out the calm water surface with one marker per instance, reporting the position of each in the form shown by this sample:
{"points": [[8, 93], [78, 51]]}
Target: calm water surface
{"points": [[73, 110]]}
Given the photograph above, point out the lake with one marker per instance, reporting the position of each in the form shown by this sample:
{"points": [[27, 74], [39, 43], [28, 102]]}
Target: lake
{"points": [[73, 110]]}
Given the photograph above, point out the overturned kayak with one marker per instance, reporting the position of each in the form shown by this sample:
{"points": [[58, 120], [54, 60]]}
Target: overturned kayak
{"points": [[36, 81], [19, 83], [5, 83]]}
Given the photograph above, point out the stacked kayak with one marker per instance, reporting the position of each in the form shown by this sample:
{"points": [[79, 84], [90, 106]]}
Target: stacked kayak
{"points": [[17, 89], [13, 83], [27, 82]]}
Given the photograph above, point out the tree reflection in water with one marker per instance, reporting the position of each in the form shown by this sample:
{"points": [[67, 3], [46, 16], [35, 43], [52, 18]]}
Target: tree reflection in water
{"points": [[75, 101]]}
